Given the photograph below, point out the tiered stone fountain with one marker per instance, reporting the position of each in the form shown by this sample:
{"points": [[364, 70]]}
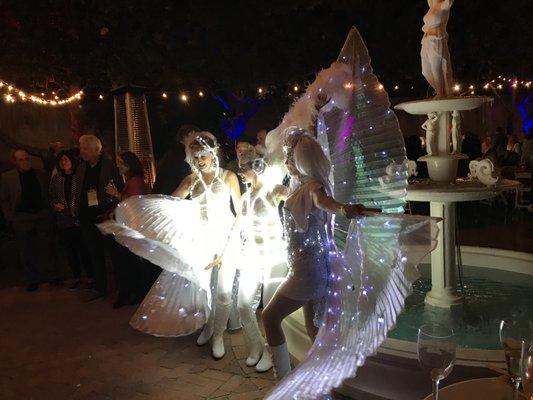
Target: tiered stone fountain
{"points": [[442, 189]]}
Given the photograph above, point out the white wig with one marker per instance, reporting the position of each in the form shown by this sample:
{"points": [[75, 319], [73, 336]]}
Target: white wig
{"points": [[200, 142], [309, 158]]}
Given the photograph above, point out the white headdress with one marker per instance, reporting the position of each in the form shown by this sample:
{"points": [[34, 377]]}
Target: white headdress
{"points": [[200, 142]]}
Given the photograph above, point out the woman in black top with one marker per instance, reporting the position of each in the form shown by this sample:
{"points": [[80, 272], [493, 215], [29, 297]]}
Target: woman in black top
{"points": [[65, 201]]}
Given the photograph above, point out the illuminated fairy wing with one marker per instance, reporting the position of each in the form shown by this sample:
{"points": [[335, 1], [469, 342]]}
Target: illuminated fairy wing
{"points": [[369, 283], [167, 232], [365, 296], [361, 135]]}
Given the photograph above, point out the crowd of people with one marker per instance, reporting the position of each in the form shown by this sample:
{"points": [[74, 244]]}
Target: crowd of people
{"points": [[57, 208], [63, 205], [503, 149]]}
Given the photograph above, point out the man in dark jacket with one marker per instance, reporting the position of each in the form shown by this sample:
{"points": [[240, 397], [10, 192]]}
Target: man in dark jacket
{"points": [[96, 172], [172, 168], [23, 194]]}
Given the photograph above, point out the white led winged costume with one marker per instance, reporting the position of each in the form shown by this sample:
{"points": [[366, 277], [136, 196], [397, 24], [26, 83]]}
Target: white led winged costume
{"points": [[183, 237], [369, 280], [263, 255]]}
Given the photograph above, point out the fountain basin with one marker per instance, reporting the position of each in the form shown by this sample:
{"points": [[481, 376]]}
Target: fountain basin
{"points": [[498, 283], [421, 107]]}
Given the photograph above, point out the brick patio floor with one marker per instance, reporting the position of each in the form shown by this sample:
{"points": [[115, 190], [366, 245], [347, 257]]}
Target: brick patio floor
{"points": [[53, 346]]}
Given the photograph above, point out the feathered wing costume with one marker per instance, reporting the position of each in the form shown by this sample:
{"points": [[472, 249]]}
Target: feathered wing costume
{"points": [[182, 237], [373, 274]]}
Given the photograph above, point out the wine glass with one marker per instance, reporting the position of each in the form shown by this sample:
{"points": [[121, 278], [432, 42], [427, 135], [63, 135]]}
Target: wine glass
{"points": [[527, 372], [436, 353], [515, 337]]}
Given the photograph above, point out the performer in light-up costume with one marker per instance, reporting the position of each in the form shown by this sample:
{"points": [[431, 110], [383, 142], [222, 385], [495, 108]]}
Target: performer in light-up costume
{"points": [[370, 266], [263, 251], [183, 237]]}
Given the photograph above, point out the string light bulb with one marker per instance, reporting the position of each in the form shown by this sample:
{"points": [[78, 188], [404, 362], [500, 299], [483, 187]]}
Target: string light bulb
{"points": [[471, 87], [164, 95], [380, 86], [260, 90], [184, 97], [201, 94], [396, 87], [295, 88], [101, 97], [456, 87], [500, 86]]}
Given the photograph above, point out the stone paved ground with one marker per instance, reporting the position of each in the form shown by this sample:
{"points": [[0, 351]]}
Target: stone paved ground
{"points": [[52, 346]]}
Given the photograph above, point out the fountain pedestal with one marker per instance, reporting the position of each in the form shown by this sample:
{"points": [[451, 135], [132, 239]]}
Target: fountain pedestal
{"points": [[442, 199]]}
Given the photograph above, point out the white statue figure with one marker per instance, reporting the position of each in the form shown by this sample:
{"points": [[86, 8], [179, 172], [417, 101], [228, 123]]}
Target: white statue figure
{"points": [[411, 168], [484, 171], [457, 135], [436, 65], [430, 126]]}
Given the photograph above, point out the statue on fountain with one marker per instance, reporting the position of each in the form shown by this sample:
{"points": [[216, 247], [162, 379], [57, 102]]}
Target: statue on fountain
{"points": [[436, 64], [457, 135], [430, 126]]}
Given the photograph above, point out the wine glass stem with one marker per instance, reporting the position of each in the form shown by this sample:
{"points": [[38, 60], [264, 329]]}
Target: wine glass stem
{"points": [[516, 388], [436, 389]]}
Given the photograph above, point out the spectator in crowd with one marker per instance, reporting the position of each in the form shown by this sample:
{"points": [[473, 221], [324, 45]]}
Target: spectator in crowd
{"points": [[24, 199], [172, 168], [486, 144], [242, 146], [49, 160], [513, 144], [47, 156], [526, 160], [65, 202], [499, 146], [471, 147], [414, 150], [129, 269], [95, 173]]}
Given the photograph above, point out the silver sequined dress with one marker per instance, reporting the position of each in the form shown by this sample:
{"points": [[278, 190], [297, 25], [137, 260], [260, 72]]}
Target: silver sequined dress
{"points": [[307, 257]]}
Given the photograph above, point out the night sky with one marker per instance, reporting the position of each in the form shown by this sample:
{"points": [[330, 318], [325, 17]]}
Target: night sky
{"points": [[237, 45]]}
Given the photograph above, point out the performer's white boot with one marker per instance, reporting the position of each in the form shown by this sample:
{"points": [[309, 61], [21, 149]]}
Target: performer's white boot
{"points": [[207, 332], [255, 340], [221, 321], [265, 363], [281, 359]]}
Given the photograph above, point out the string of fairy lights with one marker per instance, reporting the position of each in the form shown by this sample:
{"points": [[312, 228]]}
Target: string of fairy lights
{"points": [[12, 94]]}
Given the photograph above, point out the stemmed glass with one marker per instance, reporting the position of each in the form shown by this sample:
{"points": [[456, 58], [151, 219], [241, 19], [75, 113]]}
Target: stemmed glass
{"points": [[436, 353], [527, 370], [515, 337]]}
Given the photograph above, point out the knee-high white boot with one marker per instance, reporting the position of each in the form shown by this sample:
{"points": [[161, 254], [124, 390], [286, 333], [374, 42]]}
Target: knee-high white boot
{"points": [[207, 332], [255, 340], [281, 360], [221, 322], [265, 363]]}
